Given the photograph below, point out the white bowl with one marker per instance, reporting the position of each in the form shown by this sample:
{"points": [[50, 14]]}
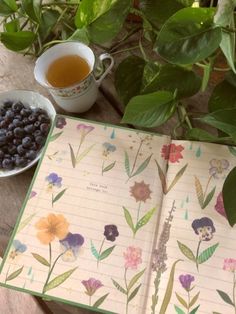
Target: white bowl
{"points": [[33, 100]]}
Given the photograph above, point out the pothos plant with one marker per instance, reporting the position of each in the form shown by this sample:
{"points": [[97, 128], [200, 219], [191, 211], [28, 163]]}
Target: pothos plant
{"points": [[183, 35]]}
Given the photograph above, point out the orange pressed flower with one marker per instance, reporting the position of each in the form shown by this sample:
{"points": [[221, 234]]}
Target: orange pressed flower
{"points": [[50, 227]]}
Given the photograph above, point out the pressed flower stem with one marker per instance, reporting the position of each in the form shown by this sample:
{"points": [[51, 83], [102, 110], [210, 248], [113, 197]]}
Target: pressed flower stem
{"points": [[208, 182], [100, 250], [139, 207], [135, 160], [90, 301], [77, 153], [103, 166], [127, 292], [198, 248], [188, 302], [50, 256]]}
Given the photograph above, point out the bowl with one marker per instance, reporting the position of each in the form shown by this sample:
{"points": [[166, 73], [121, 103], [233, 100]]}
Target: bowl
{"points": [[33, 100]]}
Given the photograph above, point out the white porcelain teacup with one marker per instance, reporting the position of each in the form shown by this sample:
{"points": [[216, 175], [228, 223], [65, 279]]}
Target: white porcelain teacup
{"points": [[80, 96]]}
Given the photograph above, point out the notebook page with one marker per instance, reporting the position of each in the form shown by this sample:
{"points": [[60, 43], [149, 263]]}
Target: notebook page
{"points": [[201, 242], [88, 226]]}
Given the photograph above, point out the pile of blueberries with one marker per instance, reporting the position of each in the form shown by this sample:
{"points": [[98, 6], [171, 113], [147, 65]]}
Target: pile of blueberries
{"points": [[23, 131]]}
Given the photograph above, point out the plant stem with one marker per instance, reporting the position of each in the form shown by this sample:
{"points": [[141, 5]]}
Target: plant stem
{"points": [[138, 213], [127, 293], [136, 158], [208, 182], [188, 302], [198, 248], [103, 166], [124, 50], [100, 250], [59, 4], [90, 300], [121, 42], [185, 116]]}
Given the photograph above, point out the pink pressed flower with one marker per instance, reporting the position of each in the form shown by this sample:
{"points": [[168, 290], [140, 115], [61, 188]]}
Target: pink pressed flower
{"points": [[33, 194], [91, 285], [219, 206], [172, 152], [229, 264], [84, 129], [133, 257]]}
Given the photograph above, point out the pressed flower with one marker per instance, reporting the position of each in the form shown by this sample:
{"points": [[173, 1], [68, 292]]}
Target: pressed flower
{"points": [[70, 245], [51, 227], [186, 281], [204, 227], [91, 285], [229, 264], [84, 129], [61, 122], [140, 191], [133, 257], [33, 194], [219, 206], [218, 168], [111, 232], [54, 180], [172, 152], [18, 248], [108, 148]]}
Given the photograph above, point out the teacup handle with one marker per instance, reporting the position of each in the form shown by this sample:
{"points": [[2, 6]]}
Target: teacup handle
{"points": [[102, 57]]}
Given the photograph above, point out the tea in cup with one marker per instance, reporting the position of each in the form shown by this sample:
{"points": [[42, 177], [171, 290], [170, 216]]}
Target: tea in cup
{"points": [[66, 70]]}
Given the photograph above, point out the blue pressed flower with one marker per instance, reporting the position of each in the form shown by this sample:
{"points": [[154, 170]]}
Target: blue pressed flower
{"points": [[19, 247], [54, 180], [108, 148], [70, 246]]}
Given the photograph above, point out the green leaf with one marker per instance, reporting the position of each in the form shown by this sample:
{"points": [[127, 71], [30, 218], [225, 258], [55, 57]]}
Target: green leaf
{"points": [[206, 254], [177, 177], [229, 196], [162, 177], [72, 155], [225, 297], [100, 300], [150, 110], [106, 253], [14, 274], [94, 251], [55, 136], [58, 196], [129, 73], [41, 259], [48, 21], [12, 4], [194, 310], [58, 280], [206, 74], [186, 251], [84, 153], [134, 293], [17, 41], [181, 300], [143, 166], [25, 222], [127, 164], [194, 299], [165, 79], [183, 38], [118, 287], [178, 310], [135, 279], [129, 219], [169, 289], [232, 150], [81, 35], [208, 198], [202, 135], [199, 191], [12, 26], [145, 219], [5, 10], [109, 167], [150, 73], [33, 9]]}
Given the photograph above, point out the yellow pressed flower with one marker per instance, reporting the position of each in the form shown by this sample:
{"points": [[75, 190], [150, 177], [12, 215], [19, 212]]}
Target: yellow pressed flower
{"points": [[50, 227]]}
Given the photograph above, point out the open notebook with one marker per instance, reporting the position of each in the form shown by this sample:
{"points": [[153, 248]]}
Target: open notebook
{"points": [[122, 221]]}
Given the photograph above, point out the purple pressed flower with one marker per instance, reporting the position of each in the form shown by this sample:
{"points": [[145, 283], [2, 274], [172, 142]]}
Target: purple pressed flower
{"points": [[218, 168], [70, 246], [33, 194], [54, 180], [84, 129], [91, 285], [186, 281], [204, 227], [61, 122], [111, 232], [219, 206]]}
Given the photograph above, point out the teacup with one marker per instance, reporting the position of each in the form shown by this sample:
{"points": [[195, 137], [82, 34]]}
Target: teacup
{"points": [[82, 95]]}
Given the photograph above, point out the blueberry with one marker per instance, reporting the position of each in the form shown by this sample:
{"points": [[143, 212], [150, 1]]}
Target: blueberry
{"points": [[16, 141], [37, 124], [25, 112], [9, 115], [26, 142], [1, 154], [39, 111], [17, 122], [2, 132], [31, 155], [11, 127], [2, 111], [39, 140], [19, 132], [7, 104], [44, 127], [4, 148], [33, 146], [9, 135], [7, 163], [3, 140], [21, 162], [43, 118], [30, 128], [25, 121], [11, 149], [3, 124], [16, 107], [20, 150], [37, 133], [32, 118]]}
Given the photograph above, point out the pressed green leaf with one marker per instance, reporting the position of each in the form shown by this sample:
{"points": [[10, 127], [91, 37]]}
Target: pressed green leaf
{"points": [[81, 35], [94, 251], [129, 73], [178, 175], [162, 178], [129, 219], [194, 310], [58, 196], [189, 36], [109, 167], [208, 198], [178, 310], [199, 191], [206, 254], [181, 300], [100, 300], [41, 259], [118, 287], [194, 299], [145, 219], [127, 164], [150, 110], [14, 274], [12, 26], [47, 22], [169, 289], [17, 41], [186, 251], [5, 10], [58, 280], [106, 253], [135, 279], [32, 8], [232, 150], [84, 153], [25, 222], [229, 196], [55, 136], [143, 166], [72, 155], [134, 293], [225, 297]]}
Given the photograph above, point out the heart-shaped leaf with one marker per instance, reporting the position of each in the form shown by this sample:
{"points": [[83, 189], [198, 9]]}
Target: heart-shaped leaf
{"points": [[5, 9], [17, 41], [229, 197], [33, 9]]}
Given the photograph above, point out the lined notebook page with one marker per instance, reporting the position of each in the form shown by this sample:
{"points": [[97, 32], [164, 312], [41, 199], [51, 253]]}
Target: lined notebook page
{"points": [[88, 227], [208, 165]]}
